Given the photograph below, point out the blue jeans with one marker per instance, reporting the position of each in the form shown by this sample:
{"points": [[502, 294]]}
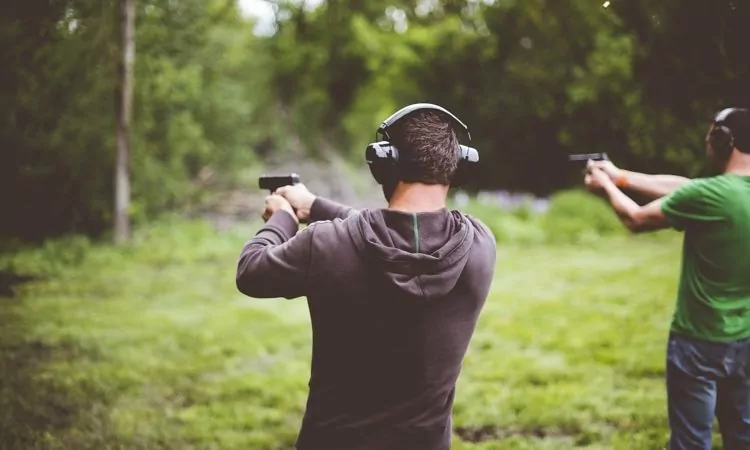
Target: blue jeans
{"points": [[707, 379]]}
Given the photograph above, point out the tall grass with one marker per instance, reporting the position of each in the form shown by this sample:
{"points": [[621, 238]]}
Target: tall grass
{"points": [[150, 345]]}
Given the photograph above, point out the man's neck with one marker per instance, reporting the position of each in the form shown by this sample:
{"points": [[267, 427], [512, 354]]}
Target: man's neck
{"points": [[739, 163], [418, 197]]}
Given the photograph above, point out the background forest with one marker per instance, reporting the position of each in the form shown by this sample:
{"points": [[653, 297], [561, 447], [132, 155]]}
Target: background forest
{"points": [[535, 80]]}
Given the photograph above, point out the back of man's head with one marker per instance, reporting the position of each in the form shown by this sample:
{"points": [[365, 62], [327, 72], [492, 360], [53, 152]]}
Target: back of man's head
{"points": [[428, 148], [739, 124]]}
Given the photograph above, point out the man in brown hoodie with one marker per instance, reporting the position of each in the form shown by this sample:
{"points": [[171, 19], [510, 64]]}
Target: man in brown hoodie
{"points": [[394, 296]]}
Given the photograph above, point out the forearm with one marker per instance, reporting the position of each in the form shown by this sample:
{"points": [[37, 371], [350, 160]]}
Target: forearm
{"points": [[651, 186], [623, 205], [325, 209], [266, 267]]}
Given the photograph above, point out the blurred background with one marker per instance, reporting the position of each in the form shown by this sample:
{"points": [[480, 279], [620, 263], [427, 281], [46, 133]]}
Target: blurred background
{"points": [[147, 344]]}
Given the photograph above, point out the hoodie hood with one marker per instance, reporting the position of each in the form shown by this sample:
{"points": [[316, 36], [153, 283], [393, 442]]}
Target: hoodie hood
{"points": [[421, 254]]}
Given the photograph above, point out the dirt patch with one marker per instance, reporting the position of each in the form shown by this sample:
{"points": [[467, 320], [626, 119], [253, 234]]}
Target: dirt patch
{"points": [[9, 280]]}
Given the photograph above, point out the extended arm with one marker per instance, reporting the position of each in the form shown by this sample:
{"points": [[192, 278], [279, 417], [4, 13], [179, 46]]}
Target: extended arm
{"points": [[275, 262], [637, 218], [696, 202], [652, 186], [311, 208]]}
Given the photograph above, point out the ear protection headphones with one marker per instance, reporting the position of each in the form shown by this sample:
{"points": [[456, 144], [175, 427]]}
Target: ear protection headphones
{"points": [[382, 156], [720, 138]]}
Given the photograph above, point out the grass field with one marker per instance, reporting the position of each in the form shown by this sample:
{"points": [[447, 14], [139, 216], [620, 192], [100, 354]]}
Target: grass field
{"points": [[152, 347]]}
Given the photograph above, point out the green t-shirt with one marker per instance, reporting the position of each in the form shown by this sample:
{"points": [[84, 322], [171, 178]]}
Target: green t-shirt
{"points": [[713, 301]]}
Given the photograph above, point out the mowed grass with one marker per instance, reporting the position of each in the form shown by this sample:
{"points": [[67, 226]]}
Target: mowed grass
{"points": [[151, 347]]}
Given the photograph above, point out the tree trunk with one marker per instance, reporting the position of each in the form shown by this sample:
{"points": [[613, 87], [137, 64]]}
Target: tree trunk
{"points": [[124, 103]]}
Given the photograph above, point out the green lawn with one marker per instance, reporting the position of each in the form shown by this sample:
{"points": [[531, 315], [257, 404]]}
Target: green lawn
{"points": [[152, 347]]}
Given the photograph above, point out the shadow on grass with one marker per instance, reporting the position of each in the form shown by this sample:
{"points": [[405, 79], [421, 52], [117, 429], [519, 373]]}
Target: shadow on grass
{"points": [[9, 280], [36, 410], [492, 433]]}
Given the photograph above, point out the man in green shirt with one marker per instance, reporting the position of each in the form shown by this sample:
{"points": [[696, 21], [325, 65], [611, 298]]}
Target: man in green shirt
{"points": [[708, 356]]}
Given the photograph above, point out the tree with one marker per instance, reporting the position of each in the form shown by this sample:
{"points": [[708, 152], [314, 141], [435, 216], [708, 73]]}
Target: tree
{"points": [[124, 103]]}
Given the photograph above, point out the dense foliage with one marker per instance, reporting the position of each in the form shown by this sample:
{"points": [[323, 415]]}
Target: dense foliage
{"points": [[535, 80]]}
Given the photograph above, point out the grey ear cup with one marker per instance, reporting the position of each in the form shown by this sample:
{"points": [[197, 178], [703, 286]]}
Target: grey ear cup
{"points": [[721, 138]]}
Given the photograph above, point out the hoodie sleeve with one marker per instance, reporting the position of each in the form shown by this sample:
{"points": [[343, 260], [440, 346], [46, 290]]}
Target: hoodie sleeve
{"points": [[324, 209], [275, 262]]}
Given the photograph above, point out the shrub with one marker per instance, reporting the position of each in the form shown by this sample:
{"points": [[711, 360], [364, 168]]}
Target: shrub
{"points": [[518, 225], [576, 216], [573, 217], [52, 256]]}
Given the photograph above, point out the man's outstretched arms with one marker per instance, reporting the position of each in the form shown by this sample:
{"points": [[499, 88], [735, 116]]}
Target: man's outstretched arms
{"points": [[311, 208], [692, 203], [651, 186], [637, 218], [276, 261]]}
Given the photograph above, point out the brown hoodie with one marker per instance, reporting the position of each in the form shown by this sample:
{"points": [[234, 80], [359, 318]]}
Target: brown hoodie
{"points": [[394, 299]]}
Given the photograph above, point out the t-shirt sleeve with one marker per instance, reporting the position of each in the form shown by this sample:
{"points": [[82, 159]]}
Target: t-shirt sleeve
{"points": [[696, 202]]}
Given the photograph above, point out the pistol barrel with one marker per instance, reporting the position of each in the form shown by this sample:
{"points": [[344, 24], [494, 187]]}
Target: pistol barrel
{"points": [[587, 156], [273, 182]]}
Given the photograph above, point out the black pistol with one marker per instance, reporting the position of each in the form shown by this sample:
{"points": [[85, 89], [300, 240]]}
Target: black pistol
{"points": [[273, 182], [583, 158]]}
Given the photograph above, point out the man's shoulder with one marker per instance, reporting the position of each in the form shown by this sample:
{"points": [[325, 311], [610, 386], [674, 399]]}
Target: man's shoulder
{"points": [[483, 257], [480, 227], [712, 182], [700, 200], [703, 187]]}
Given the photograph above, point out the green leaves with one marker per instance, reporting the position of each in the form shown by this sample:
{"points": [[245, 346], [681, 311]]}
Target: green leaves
{"points": [[534, 80]]}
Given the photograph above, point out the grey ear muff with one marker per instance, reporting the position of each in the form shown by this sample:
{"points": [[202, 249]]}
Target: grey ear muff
{"points": [[406, 110], [721, 138], [723, 115]]}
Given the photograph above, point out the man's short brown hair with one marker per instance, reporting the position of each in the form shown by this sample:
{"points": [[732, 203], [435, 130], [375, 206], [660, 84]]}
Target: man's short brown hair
{"points": [[428, 148]]}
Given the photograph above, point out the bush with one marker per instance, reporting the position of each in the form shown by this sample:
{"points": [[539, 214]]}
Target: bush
{"points": [[573, 217], [52, 256], [576, 216], [519, 225]]}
